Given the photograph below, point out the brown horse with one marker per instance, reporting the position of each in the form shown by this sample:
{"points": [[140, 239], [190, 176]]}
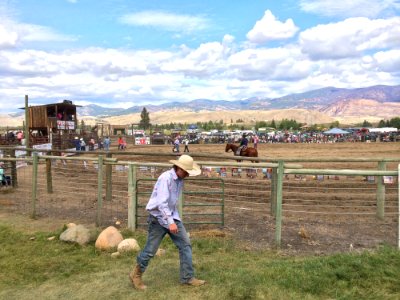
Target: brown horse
{"points": [[249, 151]]}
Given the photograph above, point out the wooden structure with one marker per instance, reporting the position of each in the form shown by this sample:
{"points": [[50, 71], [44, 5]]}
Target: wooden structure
{"points": [[102, 128], [118, 129], [52, 123]]}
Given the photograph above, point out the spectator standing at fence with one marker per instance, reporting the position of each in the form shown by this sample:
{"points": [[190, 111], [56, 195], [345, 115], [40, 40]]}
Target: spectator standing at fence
{"points": [[83, 145], [107, 143], [124, 143], [20, 136], [176, 144], [100, 144], [164, 219], [77, 143], [186, 142], [3, 180], [92, 142], [11, 136], [255, 141], [120, 143]]}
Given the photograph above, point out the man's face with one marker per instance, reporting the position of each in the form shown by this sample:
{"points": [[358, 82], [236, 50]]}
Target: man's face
{"points": [[181, 173]]}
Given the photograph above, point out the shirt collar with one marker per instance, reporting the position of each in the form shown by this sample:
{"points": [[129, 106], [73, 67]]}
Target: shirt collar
{"points": [[174, 176]]}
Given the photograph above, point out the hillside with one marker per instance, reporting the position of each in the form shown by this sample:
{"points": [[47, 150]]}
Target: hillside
{"points": [[350, 114], [348, 106], [319, 100], [248, 116]]}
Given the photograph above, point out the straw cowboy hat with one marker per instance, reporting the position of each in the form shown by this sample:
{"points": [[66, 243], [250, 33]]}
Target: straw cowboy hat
{"points": [[186, 163]]}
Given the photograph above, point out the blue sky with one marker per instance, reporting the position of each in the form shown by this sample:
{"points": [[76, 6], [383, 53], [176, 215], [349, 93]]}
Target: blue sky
{"points": [[120, 53]]}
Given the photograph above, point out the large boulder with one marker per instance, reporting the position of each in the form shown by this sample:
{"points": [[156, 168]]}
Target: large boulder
{"points": [[108, 239], [128, 245], [76, 234]]}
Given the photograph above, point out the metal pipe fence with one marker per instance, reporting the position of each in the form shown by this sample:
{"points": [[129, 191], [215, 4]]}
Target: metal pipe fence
{"points": [[268, 204]]}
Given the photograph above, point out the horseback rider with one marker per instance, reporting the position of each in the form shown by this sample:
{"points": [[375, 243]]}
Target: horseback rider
{"points": [[243, 144]]}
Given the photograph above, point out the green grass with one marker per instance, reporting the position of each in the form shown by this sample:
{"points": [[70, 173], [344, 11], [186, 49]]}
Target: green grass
{"points": [[43, 269]]}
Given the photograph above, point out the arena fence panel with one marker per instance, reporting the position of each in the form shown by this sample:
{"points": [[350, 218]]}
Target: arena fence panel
{"points": [[264, 204]]}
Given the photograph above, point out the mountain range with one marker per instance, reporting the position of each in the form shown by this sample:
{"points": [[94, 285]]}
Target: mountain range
{"points": [[322, 106], [335, 102]]}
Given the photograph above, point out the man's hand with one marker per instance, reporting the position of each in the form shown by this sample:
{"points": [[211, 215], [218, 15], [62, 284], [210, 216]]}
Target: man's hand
{"points": [[173, 228]]}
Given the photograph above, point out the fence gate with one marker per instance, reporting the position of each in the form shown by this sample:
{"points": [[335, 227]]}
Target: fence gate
{"points": [[201, 203]]}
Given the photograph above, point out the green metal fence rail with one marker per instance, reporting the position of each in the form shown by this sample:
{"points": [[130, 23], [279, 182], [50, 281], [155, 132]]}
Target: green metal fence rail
{"points": [[281, 171], [184, 204]]}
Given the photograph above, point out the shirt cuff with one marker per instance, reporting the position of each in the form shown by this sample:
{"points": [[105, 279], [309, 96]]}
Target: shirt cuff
{"points": [[170, 220]]}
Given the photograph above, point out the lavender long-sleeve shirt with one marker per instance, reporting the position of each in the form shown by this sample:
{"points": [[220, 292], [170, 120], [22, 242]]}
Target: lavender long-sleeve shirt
{"points": [[164, 198]]}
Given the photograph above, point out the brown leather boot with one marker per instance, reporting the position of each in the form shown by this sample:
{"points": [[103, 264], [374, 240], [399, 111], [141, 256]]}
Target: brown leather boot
{"points": [[136, 278], [195, 282]]}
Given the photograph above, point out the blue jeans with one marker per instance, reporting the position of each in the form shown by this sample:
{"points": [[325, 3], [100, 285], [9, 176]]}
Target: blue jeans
{"points": [[155, 235]]}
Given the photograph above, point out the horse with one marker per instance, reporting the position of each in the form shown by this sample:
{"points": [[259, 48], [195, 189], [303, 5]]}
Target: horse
{"points": [[249, 151]]}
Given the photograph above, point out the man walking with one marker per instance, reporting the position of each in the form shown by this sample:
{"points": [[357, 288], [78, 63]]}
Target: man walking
{"points": [[164, 219]]}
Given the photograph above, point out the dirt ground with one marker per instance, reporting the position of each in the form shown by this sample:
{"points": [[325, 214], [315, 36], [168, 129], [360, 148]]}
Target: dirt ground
{"points": [[319, 216]]}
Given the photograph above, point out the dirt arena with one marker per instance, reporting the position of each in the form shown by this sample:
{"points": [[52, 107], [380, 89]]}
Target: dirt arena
{"points": [[336, 214], [319, 216]]}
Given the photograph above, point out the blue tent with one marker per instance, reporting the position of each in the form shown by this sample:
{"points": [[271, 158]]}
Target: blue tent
{"points": [[336, 131]]}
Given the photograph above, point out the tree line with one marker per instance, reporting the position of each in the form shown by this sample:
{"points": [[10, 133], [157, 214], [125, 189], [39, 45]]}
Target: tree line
{"points": [[284, 124]]}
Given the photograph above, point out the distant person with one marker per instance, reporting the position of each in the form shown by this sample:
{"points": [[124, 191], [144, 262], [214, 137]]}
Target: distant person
{"points": [[176, 145], [186, 142], [77, 144], [11, 136], [83, 145], [100, 144], [120, 143], [255, 141], [91, 144], [2, 175], [107, 143], [20, 136], [124, 143], [243, 144]]}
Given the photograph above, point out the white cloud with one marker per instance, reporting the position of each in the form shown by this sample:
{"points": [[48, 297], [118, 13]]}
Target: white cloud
{"points": [[269, 28], [350, 37], [383, 61], [13, 34], [213, 71], [72, 1], [205, 61], [350, 8], [37, 33], [368, 51], [7, 38], [285, 63], [166, 21]]}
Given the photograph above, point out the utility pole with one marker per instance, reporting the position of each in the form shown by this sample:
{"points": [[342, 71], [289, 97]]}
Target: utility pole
{"points": [[26, 129]]}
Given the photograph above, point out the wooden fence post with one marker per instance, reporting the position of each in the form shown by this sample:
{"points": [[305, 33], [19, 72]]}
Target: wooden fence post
{"points": [[380, 192], [49, 176], [26, 128], [132, 195], [108, 179], [278, 216], [274, 180], [99, 190], [34, 183]]}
